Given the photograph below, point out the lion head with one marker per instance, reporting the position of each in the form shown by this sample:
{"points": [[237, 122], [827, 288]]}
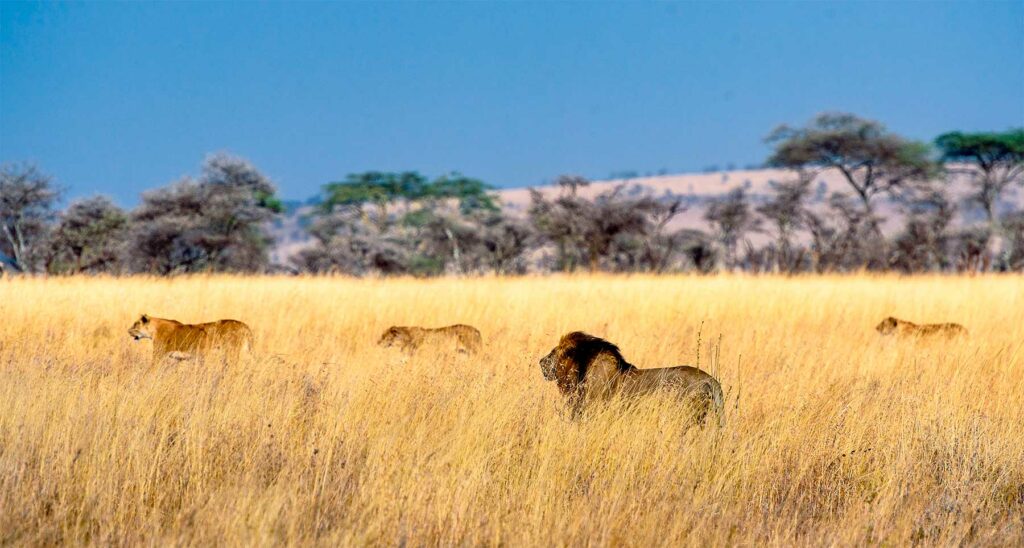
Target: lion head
{"points": [[887, 325], [568, 362], [141, 329], [395, 336]]}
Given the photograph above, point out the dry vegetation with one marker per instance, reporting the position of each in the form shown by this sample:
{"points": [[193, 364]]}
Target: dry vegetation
{"points": [[834, 435]]}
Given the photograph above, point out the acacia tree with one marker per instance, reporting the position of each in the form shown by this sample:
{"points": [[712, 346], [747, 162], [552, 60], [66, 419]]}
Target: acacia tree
{"points": [[993, 161], [376, 188], [871, 159], [27, 197]]}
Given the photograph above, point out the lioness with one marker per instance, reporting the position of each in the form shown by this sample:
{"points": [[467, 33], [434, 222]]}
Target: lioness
{"points": [[902, 328], [588, 368], [464, 338], [174, 339]]}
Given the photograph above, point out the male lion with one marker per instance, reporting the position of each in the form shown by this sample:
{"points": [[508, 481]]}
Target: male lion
{"points": [[588, 368], [463, 338], [174, 339], [902, 328]]}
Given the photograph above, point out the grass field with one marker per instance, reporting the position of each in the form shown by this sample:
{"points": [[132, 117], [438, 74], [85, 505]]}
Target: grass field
{"points": [[833, 434]]}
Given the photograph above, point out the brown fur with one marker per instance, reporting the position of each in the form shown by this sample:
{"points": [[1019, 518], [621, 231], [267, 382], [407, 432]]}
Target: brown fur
{"points": [[174, 339], [464, 338], [891, 325], [588, 368]]}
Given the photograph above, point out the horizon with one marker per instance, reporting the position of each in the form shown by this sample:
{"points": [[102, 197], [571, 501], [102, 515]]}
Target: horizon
{"points": [[115, 98]]}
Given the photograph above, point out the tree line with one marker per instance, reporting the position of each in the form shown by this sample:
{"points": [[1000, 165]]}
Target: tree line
{"points": [[382, 223]]}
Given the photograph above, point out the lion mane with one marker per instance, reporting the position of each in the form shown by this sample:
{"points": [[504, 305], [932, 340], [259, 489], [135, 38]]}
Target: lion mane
{"points": [[587, 369]]}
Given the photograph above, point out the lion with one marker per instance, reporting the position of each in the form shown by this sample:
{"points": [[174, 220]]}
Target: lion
{"points": [[180, 341], [587, 368], [903, 328], [463, 338]]}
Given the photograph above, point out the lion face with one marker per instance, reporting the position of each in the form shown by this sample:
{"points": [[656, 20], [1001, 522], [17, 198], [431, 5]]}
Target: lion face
{"points": [[548, 364], [394, 336], [141, 329], [887, 325]]}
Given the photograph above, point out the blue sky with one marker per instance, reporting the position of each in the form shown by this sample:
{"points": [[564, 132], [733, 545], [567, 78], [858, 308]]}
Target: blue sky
{"points": [[115, 98]]}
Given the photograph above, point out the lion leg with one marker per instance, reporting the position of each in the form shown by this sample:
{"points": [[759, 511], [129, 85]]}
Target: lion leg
{"points": [[701, 406], [575, 405], [703, 403]]}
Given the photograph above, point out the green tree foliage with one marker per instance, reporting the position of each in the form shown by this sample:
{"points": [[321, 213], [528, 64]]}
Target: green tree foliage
{"points": [[415, 226], [402, 223], [471, 194], [994, 160], [376, 188], [871, 159], [382, 189]]}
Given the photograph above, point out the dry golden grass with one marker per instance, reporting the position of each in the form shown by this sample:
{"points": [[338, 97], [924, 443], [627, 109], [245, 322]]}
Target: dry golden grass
{"points": [[833, 434]]}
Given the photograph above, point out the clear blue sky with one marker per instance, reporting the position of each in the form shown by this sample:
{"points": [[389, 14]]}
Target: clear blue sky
{"points": [[115, 98]]}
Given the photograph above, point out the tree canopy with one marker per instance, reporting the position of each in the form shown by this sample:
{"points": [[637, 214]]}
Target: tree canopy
{"points": [[871, 158], [987, 149]]}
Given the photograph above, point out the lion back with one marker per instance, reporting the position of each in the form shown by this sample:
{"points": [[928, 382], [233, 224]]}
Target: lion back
{"points": [[688, 382], [467, 335], [948, 329], [231, 335]]}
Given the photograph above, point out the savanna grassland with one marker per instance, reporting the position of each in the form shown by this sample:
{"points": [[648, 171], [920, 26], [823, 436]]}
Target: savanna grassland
{"points": [[833, 434]]}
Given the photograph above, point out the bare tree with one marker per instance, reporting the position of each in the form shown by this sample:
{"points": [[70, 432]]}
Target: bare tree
{"points": [[732, 218], [1013, 226], [613, 228], [924, 244], [660, 246], [27, 197], [787, 211]]}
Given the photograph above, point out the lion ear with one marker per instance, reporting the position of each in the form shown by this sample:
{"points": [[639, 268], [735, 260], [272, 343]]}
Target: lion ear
{"points": [[145, 318]]}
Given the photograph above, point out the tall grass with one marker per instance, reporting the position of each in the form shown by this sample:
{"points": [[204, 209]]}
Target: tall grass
{"points": [[833, 435]]}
